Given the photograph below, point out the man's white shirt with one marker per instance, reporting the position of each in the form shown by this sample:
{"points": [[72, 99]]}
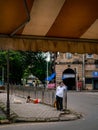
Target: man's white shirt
{"points": [[60, 91]]}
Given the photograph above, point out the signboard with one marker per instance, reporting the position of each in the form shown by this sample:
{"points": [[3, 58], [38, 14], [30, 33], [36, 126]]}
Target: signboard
{"points": [[68, 76], [95, 74]]}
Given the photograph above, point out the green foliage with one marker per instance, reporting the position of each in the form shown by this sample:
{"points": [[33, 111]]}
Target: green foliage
{"points": [[2, 117], [39, 68], [17, 67], [23, 64], [36, 65]]}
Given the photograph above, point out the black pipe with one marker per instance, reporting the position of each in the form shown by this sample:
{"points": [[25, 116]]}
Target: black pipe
{"points": [[8, 101]]}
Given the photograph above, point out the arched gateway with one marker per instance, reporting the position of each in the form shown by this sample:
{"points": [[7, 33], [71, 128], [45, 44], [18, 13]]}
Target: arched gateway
{"points": [[69, 77]]}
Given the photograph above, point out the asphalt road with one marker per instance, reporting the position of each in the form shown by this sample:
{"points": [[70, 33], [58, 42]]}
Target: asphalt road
{"points": [[83, 102]]}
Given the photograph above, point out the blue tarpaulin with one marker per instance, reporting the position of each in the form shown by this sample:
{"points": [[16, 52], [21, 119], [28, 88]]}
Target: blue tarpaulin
{"points": [[52, 76]]}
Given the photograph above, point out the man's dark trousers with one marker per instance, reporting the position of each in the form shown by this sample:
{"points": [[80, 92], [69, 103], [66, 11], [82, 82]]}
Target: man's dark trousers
{"points": [[59, 103]]}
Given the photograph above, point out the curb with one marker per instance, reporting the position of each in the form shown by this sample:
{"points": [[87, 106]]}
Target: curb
{"points": [[4, 121], [67, 115], [63, 117]]}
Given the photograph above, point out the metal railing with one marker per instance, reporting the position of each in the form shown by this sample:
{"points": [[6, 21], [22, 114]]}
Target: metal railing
{"points": [[47, 96]]}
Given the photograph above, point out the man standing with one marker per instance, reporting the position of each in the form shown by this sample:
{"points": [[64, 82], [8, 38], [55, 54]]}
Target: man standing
{"points": [[59, 95]]}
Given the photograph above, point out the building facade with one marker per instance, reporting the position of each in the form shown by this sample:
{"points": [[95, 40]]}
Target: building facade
{"points": [[78, 71]]}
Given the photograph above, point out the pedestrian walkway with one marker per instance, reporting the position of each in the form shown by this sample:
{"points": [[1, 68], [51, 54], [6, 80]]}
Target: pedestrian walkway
{"points": [[21, 111]]}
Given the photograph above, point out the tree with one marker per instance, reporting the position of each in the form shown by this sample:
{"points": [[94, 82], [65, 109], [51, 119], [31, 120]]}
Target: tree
{"points": [[3, 64], [17, 66], [23, 64], [36, 64]]}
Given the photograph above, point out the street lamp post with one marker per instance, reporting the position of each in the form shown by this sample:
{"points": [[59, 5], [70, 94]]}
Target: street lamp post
{"points": [[47, 60], [53, 58]]}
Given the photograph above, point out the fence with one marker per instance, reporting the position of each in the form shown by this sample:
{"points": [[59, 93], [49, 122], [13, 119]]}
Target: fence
{"points": [[47, 96]]}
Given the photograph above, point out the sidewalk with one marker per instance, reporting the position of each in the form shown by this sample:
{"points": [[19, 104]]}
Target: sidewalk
{"points": [[20, 111]]}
